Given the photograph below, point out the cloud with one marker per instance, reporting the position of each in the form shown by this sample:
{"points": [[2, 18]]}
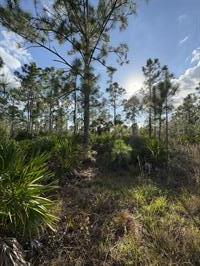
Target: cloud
{"points": [[9, 60], [8, 77], [196, 55], [13, 55], [184, 40], [189, 80]]}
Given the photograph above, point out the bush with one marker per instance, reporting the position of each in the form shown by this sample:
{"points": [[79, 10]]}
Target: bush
{"points": [[121, 153], [102, 143], [22, 135], [156, 152], [24, 208], [38, 146], [66, 155], [138, 148]]}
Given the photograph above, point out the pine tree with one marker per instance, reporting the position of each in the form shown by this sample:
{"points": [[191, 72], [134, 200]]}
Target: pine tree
{"points": [[29, 94], [132, 108], [116, 97], [152, 73], [78, 23]]}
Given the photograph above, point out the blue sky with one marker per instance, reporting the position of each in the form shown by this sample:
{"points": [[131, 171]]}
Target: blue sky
{"points": [[164, 29], [168, 30]]}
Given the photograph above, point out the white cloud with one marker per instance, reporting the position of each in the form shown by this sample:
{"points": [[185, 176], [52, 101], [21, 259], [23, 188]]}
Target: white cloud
{"points": [[184, 40], [196, 55], [9, 60], [8, 77], [190, 79], [13, 55], [13, 44]]}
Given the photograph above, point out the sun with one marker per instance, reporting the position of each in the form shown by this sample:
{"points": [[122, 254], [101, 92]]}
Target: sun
{"points": [[133, 84]]}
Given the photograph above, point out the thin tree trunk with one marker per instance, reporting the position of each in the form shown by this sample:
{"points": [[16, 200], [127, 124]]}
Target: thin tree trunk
{"points": [[154, 114], [28, 116], [114, 113], [75, 109], [150, 111], [166, 127], [86, 107], [50, 117], [159, 129], [31, 116], [86, 85], [12, 123]]}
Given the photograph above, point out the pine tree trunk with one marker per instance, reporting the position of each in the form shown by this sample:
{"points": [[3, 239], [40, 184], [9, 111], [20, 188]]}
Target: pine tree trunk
{"points": [[150, 112], [154, 114], [167, 130], [86, 92], [114, 114], [28, 116], [75, 112], [31, 116], [50, 117], [160, 126]]}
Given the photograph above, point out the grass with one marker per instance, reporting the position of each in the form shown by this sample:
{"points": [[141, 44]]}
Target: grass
{"points": [[117, 220]]}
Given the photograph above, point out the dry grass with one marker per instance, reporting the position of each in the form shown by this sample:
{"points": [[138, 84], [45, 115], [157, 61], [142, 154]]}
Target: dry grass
{"points": [[118, 221]]}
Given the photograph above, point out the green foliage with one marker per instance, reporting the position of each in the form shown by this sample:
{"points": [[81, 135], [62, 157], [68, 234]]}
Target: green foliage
{"points": [[102, 143], [23, 135], [138, 147], [67, 155], [185, 139], [157, 207], [120, 132], [9, 151], [24, 208], [112, 151], [156, 151], [144, 194], [121, 152], [38, 146]]}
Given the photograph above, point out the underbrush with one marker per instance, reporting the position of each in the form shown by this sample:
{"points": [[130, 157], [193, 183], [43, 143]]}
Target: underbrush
{"points": [[123, 216], [30, 171], [24, 186], [120, 221]]}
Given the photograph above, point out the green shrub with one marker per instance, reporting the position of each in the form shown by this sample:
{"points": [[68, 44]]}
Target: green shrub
{"points": [[120, 132], [156, 151], [138, 147], [23, 135], [24, 208], [9, 151], [102, 143], [38, 146], [121, 152], [67, 155]]}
